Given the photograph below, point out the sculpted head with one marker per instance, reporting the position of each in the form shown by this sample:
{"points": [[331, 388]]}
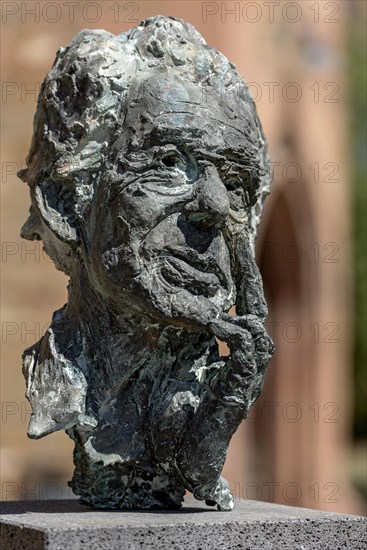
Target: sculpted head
{"points": [[148, 170]]}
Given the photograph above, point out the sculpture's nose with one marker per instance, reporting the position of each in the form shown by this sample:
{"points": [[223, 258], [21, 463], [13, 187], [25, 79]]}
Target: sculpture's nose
{"points": [[210, 206]]}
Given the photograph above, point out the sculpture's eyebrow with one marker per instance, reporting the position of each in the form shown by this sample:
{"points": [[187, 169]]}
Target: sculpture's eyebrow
{"points": [[223, 156], [193, 138]]}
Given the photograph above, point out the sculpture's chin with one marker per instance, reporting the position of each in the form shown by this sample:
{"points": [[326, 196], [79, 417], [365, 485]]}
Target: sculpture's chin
{"points": [[179, 275]]}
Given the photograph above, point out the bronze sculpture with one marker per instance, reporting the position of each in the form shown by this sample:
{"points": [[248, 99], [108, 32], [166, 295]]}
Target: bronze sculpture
{"points": [[147, 171]]}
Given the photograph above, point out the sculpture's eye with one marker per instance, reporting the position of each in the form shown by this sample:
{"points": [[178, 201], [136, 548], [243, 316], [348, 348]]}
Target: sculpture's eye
{"points": [[180, 163], [171, 160], [174, 159]]}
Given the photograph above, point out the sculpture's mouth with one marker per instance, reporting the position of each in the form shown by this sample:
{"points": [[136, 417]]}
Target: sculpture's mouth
{"points": [[196, 279]]}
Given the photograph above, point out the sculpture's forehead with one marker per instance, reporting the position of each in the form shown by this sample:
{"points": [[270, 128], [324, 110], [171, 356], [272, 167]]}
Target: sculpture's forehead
{"points": [[170, 106]]}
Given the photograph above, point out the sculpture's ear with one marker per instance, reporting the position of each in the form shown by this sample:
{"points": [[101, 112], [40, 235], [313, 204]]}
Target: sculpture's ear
{"points": [[53, 205], [55, 213]]}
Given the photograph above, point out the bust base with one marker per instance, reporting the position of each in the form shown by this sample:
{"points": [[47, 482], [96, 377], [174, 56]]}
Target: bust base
{"points": [[252, 525]]}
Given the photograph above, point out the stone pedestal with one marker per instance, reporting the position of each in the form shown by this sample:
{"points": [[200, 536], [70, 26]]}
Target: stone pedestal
{"points": [[63, 525]]}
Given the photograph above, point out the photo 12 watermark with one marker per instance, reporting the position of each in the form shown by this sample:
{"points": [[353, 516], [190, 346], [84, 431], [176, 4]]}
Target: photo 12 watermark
{"points": [[274, 92], [291, 332], [36, 490], [293, 252], [292, 412], [69, 11], [289, 492], [270, 12], [23, 252]]}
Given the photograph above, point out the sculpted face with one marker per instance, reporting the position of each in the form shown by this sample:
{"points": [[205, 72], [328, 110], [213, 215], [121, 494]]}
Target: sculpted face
{"points": [[162, 238]]}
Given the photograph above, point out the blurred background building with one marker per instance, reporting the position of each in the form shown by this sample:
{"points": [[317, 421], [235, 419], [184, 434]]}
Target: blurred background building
{"points": [[304, 442]]}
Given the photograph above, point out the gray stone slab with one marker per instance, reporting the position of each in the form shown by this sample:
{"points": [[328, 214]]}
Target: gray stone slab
{"points": [[252, 525]]}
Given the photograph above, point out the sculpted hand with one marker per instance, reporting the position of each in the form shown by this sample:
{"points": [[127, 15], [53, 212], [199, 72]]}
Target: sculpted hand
{"points": [[227, 329]]}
